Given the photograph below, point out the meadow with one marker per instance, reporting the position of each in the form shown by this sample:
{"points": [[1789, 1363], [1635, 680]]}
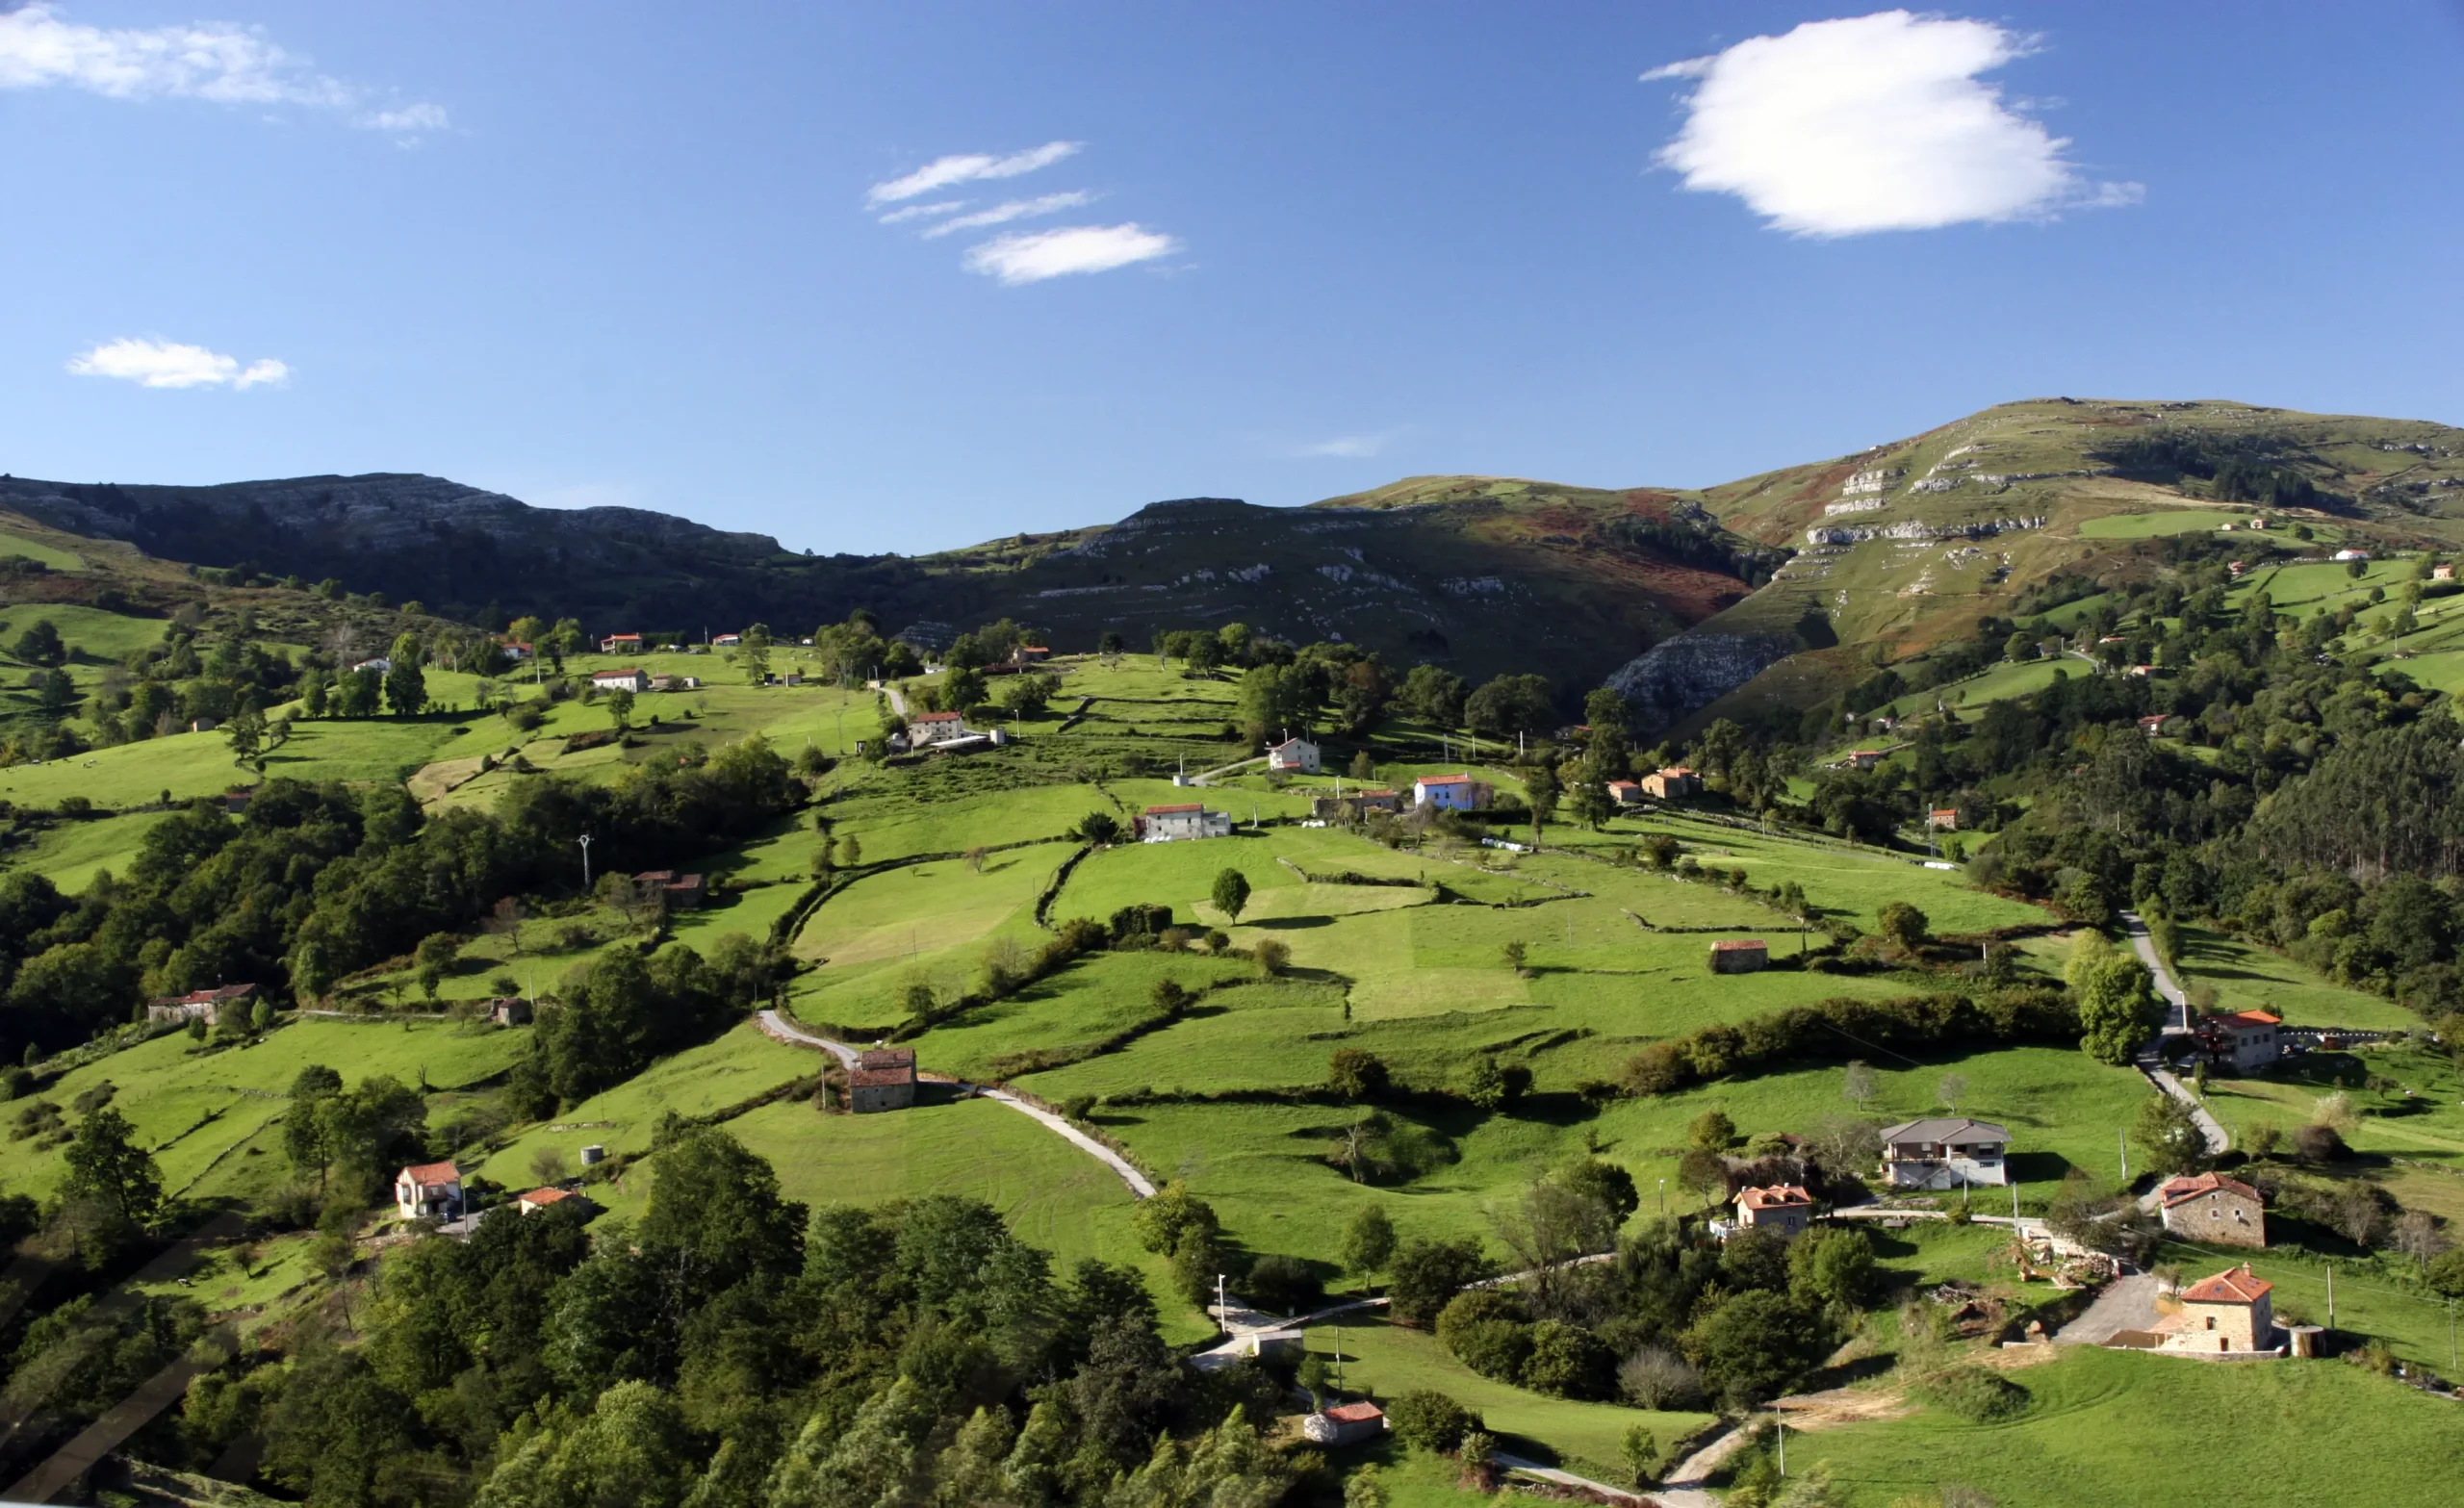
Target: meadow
{"points": [[2249, 978], [2101, 1424], [2153, 525]]}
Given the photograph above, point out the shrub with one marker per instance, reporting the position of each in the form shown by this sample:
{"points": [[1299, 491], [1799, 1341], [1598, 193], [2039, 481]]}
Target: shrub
{"points": [[1427, 1274], [2317, 1144], [1272, 956], [1486, 1331], [1428, 1420], [1656, 1377], [1975, 1393], [1283, 1285], [1568, 1362], [1357, 1075]]}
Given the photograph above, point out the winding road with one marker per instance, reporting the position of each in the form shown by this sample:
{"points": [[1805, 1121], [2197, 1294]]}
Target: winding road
{"points": [[2177, 1023], [780, 1028]]}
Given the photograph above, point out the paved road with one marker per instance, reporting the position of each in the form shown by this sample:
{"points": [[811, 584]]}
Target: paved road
{"points": [[1683, 1487], [781, 1028], [2127, 1304], [2176, 1022], [1550, 1473], [126, 1417]]}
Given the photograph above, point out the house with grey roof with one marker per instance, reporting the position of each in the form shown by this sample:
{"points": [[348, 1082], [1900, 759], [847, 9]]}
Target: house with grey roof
{"points": [[1944, 1152]]}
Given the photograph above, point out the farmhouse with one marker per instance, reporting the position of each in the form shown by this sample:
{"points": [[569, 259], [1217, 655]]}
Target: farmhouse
{"points": [[1296, 754], [1345, 1424], [1030, 654], [539, 1199], [1783, 1208], [1452, 793], [1943, 819], [515, 649], [204, 1005], [936, 728], [509, 1011], [2213, 1208], [632, 679], [884, 1078], [1739, 955], [2241, 1039], [2229, 1312], [2152, 725], [381, 665], [1675, 783], [682, 892], [675, 682], [2350, 554], [1188, 820], [1943, 1153], [2442, 573], [1625, 793], [1864, 758], [621, 644], [727, 641], [428, 1189]]}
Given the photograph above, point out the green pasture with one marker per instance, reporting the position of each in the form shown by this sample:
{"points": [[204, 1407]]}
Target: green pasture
{"points": [[1386, 1359], [1267, 1166], [2426, 1123], [889, 821], [56, 558], [2114, 1428], [2169, 520], [2249, 978], [192, 1106], [2309, 585], [739, 1066], [1074, 1008], [1999, 683], [92, 635], [929, 908], [71, 852]]}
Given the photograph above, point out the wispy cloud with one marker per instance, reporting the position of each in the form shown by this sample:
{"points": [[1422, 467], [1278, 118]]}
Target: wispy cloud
{"points": [[1349, 447], [1013, 209], [166, 364], [1872, 123], [1059, 253], [918, 212], [943, 172], [213, 61]]}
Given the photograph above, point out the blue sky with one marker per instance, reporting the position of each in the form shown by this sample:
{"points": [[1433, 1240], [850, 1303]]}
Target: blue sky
{"points": [[628, 253]]}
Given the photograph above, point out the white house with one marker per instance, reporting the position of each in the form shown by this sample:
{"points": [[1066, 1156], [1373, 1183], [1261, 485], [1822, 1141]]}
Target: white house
{"points": [[1345, 1424], [936, 728], [621, 644], [1173, 824], [381, 665], [727, 640], [430, 1189], [2242, 1039], [2350, 554], [1451, 793], [1944, 1152], [1298, 755], [632, 679]]}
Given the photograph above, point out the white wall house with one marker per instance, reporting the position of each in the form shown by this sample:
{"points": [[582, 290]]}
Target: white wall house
{"points": [[1175, 824], [430, 1189], [632, 678], [936, 728], [1451, 793], [1296, 754]]}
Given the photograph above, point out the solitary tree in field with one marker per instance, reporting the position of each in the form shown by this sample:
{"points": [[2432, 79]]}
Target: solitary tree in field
{"points": [[1231, 893], [1951, 1091], [1860, 1084], [1368, 1242], [1514, 954], [620, 706]]}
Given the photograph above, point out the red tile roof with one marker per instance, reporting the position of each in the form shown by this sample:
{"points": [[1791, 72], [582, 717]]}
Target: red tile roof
{"points": [[887, 1057], [1355, 1413], [430, 1175], [1776, 1197], [2249, 1019], [545, 1196], [1445, 779], [2233, 1286], [2178, 1189], [879, 1078], [937, 717], [1166, 811], [1740, 945]]}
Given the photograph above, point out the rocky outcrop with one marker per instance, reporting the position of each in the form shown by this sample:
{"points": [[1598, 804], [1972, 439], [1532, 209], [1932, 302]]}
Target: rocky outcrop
{"points": [[1693, 670], [1916, 530]]}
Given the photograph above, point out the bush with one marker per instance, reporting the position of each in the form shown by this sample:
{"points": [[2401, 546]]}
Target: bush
{"points": [[1977, 1394], [1656, 1377], [1283, 1285], [1428, 1420], [1568, 1362], [2317, 1144], [1488, 1331], [1427, 1274]]}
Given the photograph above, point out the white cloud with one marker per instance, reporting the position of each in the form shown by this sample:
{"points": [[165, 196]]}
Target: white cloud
{"points": [[1058, 253], [966, 168], [1870, 123], [1013, 209], [918, 212], [213, 61], [166, 364], [1350, 448]]}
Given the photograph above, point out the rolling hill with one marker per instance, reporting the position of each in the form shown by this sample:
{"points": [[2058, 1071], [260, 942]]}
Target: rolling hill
{"points": [[1768, 589]]}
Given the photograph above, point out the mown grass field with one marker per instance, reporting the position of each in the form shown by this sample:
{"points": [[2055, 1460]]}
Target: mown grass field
{"points": [[2152, 525], [51, 555], [1387, 1359], [2109, 1427], [2247, 978], [190, 1107]]}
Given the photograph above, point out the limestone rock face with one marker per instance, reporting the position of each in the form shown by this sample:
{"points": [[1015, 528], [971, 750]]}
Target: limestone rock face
{"points": [[1692, 670]]}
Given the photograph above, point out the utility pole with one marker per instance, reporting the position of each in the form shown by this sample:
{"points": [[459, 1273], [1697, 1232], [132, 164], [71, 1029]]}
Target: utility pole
{"points": [[1663, 1198], [2123, 1142], [585, 862], [2331, 1295], [1222, 1311], [1782, 1420], [1338, 1358]]}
